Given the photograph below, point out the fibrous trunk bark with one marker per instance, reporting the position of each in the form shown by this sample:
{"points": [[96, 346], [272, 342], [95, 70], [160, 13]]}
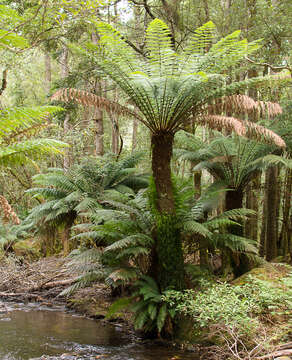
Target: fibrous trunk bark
{"points": [[272, 213], [286, 230], [168, 246], [263, 234], [239, 261], [252, 202], [65, 239]]}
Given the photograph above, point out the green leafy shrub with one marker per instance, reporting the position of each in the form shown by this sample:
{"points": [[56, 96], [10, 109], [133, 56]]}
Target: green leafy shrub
{"points": [[237, 307]]}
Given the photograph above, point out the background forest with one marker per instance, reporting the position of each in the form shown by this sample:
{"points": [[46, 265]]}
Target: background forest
{"points": [[151, 141]]}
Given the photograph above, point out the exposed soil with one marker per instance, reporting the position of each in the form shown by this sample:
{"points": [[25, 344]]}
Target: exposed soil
{"points": [[45, 279]]}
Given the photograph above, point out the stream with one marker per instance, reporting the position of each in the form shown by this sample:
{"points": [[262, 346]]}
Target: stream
{"points": [[32, 331]]}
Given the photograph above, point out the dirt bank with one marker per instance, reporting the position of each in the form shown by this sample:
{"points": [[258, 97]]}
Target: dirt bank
{"points": [[44, 280]]}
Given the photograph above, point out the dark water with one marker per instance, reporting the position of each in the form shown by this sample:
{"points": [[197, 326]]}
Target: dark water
{"points": [[33, 332]]}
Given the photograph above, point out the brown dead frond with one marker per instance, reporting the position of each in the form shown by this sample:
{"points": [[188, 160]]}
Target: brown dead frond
{"points": [[7, 212], [233, 104], [243, 104], [269, 108], [258, 132], [242, 128], [218, 122], [86, 98]]}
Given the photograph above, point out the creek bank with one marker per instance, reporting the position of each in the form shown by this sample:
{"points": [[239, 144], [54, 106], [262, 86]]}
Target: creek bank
{"points": [[43, 280]]}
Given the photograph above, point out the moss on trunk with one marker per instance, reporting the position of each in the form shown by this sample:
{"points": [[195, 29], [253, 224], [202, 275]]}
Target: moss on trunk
{"points": [[169, 271]]}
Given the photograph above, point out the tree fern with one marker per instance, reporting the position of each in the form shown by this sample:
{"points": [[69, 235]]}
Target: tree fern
{"points": [[169, 87], [81, 190], [19, 124]]}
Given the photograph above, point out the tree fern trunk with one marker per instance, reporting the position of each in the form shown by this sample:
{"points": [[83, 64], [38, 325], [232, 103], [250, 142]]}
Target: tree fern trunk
{"points": [[263, 235], [170, 263], [65, 239], [252, 202], [272, 213], [285, 229], [240, 262]]}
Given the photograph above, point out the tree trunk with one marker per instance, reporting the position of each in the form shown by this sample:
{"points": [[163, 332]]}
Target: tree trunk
{"points": [[65, 239], [115, 129], [66, 126], [115, 134], [170, 263], [48, 73], [239, 262], [98, 113], [263, 235], [272, 213], [99, 132], [252, 202], [134, 134], [285, 236]]}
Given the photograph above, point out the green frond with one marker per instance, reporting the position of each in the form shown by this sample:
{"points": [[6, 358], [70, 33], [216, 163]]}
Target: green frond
{"points": [[87, 204], [161, 317], [16, 118], [216, 223], [237, 214], [133, 252], [194, 227], [160, 48], [235, 243], [124, 274], [141, 320], [116, 48], [26, 151], [84, 281], [132, 240], [272, 160], [202, 39], [48, 193]]}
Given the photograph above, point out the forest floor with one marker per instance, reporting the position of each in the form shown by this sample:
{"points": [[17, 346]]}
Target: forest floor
{"points": [[42, 281]]}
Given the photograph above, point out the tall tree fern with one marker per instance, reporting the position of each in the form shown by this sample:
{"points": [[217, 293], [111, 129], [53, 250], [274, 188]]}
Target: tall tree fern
{"points": [[168, 89]]}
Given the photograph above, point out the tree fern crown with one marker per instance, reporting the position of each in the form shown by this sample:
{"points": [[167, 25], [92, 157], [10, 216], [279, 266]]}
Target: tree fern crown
{"points": [[169, 86]]}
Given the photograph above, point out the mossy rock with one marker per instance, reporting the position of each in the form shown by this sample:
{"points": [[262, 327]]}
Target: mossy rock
{"points": [[89, 307], [29, 249], [272, 272]]}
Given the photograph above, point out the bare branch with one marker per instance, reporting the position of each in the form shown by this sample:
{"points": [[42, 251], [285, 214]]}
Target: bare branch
{"points": [[272, 67]]}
